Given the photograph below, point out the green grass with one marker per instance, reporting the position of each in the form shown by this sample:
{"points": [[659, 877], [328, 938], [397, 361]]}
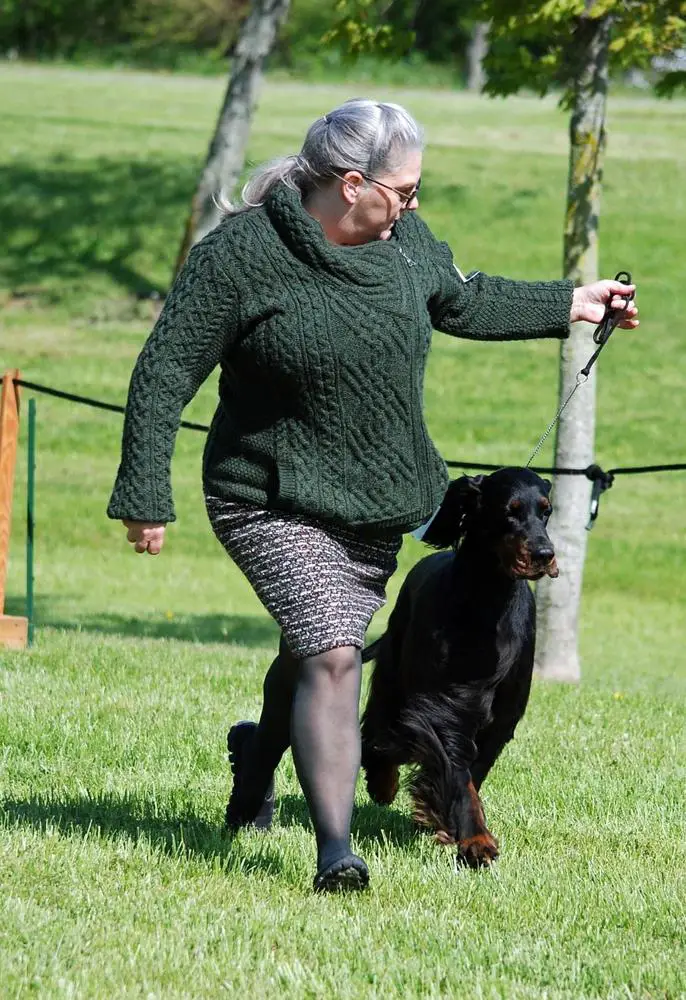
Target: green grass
{"points": [[115, 879]]}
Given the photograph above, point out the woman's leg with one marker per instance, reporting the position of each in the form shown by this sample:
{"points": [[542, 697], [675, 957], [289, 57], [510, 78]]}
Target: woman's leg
{"points": [[265, 744], [313, 704], [325, 739]]}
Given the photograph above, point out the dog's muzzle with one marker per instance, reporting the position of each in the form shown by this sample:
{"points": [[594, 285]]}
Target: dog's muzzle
{"points": [[519, 562], [549, 569]]}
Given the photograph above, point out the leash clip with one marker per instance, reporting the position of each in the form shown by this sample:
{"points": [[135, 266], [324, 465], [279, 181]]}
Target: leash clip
{"points": [[601, 481]]}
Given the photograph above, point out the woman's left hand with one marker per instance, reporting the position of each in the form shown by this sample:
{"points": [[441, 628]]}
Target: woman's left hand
{"points": [[589, 302]]}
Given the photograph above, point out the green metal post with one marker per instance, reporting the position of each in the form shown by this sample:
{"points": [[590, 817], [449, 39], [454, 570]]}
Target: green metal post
{"points": [[30, 517]]}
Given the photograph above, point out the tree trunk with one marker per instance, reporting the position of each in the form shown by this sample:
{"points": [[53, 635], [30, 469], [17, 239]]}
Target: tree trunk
{"points": [[476, 53], [557, 655], [226, 153]]}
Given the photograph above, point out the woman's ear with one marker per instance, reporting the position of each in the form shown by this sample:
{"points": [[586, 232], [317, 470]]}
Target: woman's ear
{"points": [[463, 497], [351, 185]]}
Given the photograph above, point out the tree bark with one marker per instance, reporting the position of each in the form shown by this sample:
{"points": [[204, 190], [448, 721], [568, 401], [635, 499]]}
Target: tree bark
{"points": [[226, 153], [557, 654], [476, 53]]}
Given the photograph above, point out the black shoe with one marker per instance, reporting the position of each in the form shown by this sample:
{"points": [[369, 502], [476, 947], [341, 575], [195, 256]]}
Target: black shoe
{"points": [[348, 874], [238, 811]]}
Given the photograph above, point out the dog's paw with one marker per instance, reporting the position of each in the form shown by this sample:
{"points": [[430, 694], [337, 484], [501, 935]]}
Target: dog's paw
{"points": [[478, 851]]}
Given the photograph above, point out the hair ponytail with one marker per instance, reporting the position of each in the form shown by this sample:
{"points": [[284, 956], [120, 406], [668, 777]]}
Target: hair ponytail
{"points": [[284, 169], [364, 135]]}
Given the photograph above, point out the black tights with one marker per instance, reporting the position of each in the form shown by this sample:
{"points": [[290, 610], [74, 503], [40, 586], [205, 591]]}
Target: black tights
{"points": [[313, 705]]}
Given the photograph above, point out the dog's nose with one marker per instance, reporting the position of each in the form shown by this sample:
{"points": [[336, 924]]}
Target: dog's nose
{"points": [[544, 554]]}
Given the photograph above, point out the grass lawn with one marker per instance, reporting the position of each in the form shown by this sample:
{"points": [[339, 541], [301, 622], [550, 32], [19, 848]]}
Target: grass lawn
{"points": [[114, 877]]}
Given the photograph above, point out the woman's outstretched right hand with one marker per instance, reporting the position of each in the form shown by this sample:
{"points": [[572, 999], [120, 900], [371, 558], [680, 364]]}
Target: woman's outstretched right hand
{"points": [[146, 536]]}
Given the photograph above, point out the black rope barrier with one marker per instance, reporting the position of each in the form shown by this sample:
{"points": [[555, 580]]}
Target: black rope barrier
{"points": [[97, 403], [588, 471], [592, 472]]}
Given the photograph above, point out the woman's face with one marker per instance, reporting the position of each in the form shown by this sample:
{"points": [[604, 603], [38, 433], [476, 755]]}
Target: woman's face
{"points": [[379, 201]]}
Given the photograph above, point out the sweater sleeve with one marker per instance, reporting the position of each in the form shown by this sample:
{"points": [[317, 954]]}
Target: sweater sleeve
{"points": [[482, 307], [198, 322]]}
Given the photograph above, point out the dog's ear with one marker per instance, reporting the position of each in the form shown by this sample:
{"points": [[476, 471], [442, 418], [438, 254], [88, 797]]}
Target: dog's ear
{"points": [[463, 497], [470, 485]]}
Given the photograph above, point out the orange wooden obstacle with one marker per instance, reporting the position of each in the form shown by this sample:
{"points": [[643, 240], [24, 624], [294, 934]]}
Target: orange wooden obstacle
{"points": [[13, 629]]}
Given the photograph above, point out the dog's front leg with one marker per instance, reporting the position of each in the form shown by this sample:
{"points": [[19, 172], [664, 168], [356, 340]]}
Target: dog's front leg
{"points": [[446, 801]]}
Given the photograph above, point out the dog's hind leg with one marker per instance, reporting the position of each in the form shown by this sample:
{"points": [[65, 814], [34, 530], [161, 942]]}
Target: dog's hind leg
{"points": [[380, 759], [378, 763], [382, 776]]}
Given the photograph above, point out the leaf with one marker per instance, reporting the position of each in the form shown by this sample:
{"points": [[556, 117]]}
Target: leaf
{"points": [[670, 83]]}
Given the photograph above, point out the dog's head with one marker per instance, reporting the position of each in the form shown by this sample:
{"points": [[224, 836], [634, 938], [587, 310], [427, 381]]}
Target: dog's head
{"points": [[506, 513]]}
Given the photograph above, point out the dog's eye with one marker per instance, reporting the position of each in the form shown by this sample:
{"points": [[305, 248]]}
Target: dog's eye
{"points": [[545, 508]]}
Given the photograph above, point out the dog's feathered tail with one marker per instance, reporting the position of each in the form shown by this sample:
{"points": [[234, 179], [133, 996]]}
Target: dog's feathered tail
{"points": [[433, 780]]}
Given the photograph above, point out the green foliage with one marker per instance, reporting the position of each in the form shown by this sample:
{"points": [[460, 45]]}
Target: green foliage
{"points": [[532, 44], [443, 27], [196, 35], [392, 30], [49, 27], [361, 29], [201, 24], [671, 83], [300, 37], [69, 27]]}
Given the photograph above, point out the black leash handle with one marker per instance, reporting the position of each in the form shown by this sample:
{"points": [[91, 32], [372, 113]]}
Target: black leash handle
{"points": [[609, 323]]}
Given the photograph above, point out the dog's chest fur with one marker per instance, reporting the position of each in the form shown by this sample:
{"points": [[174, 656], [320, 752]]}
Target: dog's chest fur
{"points": [[485, 620]]}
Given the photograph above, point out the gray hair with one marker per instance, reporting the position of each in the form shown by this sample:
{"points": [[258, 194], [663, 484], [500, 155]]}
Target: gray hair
{"points": [[369, 136]]}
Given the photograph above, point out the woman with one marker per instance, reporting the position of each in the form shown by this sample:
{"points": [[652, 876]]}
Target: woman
{"points": [[317, 299]]}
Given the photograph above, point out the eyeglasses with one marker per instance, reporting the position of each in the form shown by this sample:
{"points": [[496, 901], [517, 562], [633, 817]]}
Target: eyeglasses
{"points": [[405, 198]]}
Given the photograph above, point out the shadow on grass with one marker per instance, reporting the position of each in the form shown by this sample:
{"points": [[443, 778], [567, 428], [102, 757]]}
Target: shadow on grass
{"points": [[72, 220], [114, 816], [67, 220], [189, 835], [248, 630], [370, 823]]}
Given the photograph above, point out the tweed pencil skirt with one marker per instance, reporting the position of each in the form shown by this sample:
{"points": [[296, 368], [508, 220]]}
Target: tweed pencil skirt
{"points": [[320, 582]]}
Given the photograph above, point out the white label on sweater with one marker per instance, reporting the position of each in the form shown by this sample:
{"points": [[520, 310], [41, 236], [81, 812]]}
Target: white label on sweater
{"points": [[469, 277], [419, 532]]}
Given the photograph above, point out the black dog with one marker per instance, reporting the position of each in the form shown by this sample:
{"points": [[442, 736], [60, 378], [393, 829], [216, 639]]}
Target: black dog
{"points": [[453, 670]]}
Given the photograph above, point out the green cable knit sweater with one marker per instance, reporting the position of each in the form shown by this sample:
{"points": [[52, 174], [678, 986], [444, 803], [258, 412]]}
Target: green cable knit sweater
{"points": [[321, 350]]}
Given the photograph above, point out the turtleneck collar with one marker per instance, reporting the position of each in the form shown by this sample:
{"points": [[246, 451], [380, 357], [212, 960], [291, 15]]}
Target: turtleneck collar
{"points": [[369, 264]]}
